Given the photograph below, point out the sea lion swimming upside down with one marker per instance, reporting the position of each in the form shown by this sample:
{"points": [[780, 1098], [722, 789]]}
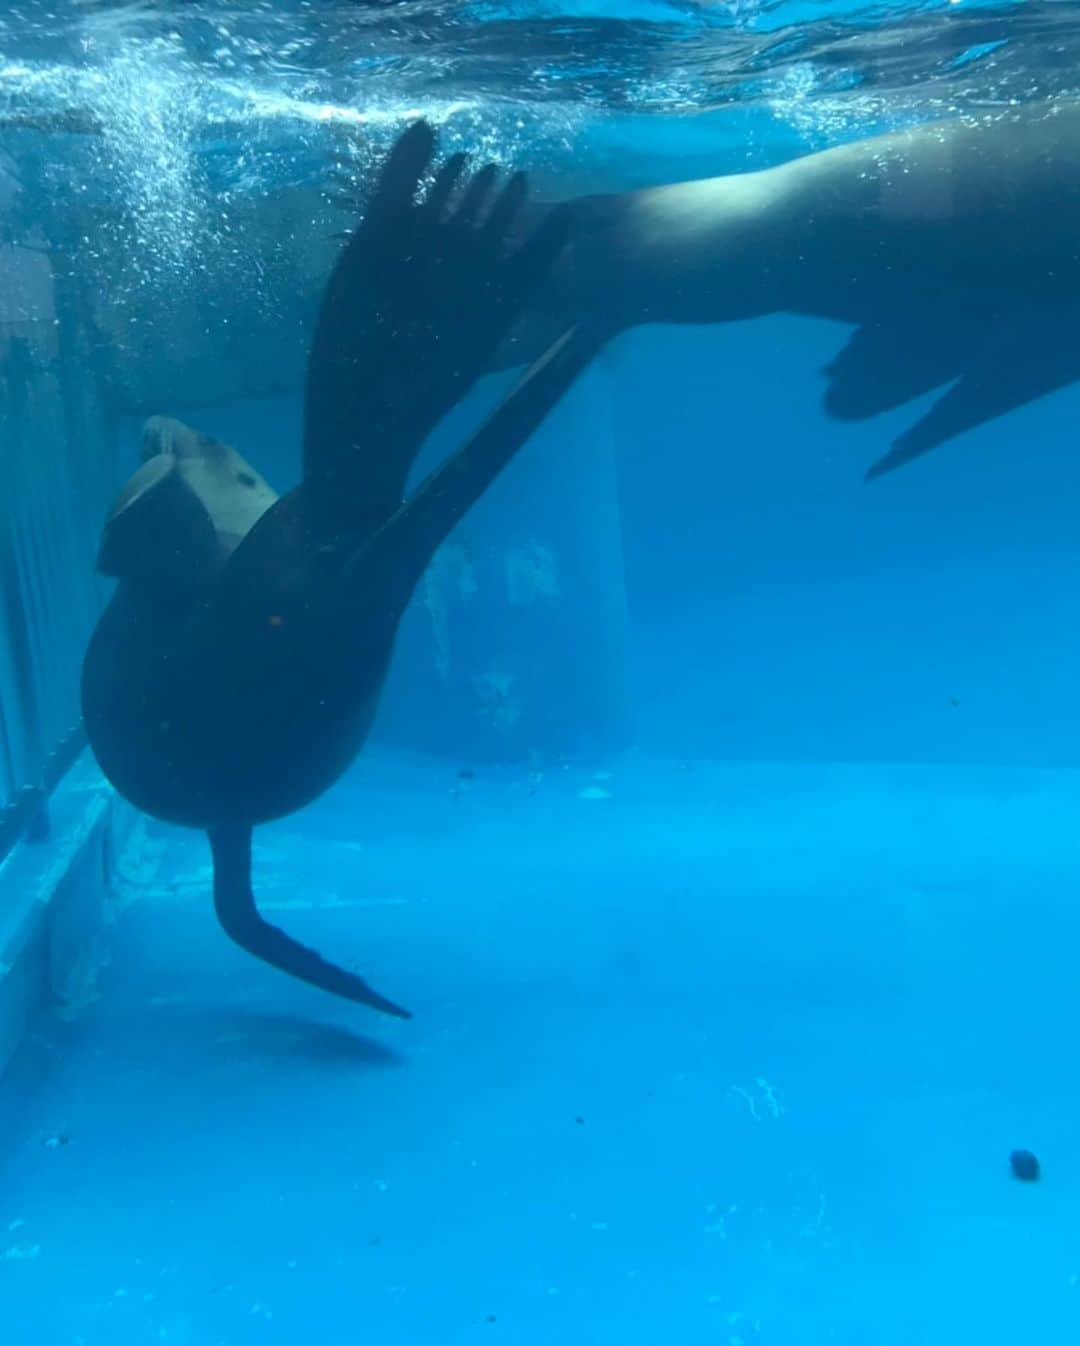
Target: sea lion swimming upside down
{"points": [[234, 675]]}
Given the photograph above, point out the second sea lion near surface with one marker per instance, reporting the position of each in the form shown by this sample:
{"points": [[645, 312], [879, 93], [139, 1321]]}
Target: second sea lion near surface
{"points": [[952, 248]]}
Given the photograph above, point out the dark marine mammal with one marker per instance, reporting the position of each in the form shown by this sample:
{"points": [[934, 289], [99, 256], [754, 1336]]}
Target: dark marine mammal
{"points": [[951, 247], [948, 247], [236, 671]]}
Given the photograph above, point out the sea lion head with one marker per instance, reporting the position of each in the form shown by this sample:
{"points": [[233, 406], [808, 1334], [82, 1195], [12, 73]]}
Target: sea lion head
{"points": [[159, 536], [234, 495]]}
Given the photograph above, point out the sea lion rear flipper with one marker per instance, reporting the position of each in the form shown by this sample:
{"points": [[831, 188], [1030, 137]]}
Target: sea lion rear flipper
{"points": [[404, 546], [234, 903], [420, 298], [1029, 361]]}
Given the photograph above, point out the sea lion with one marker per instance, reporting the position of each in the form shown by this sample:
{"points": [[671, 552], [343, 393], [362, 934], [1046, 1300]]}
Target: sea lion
{"points": [[948, 246], [951, 246], [182, 513], [235, 673]]}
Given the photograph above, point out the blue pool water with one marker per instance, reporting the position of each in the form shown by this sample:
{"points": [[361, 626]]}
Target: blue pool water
{"points": [[702, 1052], [719, 1053], [719, 822]]}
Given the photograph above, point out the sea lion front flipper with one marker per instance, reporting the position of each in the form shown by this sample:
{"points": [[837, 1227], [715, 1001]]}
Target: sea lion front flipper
{"points": [[234, 903], [886, 364], [1030, 360]]}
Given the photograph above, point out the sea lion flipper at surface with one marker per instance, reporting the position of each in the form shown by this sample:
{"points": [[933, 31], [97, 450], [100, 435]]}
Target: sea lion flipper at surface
{"points": [[420, 297], [234, 904], [1026, 361]]}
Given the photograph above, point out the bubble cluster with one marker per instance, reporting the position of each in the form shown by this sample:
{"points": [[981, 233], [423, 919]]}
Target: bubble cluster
{"points": [[155, 127]]}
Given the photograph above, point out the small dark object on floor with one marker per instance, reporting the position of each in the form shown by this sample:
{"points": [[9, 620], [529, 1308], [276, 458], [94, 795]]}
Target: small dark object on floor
{"points": [[466, 774], [491, 1318], [580, 1121], [1024, 1165], [55, 1142]]}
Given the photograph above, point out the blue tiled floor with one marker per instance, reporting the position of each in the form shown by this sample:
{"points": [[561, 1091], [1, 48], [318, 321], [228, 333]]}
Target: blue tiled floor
{"points": [[702, 1054]]}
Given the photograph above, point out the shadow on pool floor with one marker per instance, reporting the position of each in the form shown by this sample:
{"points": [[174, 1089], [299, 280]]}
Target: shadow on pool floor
{"points": [[714, 1053]]}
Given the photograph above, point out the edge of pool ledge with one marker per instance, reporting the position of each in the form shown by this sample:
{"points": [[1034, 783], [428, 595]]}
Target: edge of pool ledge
{"points": [[57, 898]]}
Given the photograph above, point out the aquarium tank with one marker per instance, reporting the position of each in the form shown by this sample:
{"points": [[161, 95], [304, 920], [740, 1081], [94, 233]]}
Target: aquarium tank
{"points": [[539, 570]]}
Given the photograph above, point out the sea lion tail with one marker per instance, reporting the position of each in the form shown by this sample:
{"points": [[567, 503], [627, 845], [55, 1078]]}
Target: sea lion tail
{"points": [[234, 904]]}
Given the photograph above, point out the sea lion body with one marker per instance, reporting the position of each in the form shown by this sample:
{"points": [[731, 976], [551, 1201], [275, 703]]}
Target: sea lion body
{"points": [[193, 707], [236, 672], [988, 211], [951, 247]]}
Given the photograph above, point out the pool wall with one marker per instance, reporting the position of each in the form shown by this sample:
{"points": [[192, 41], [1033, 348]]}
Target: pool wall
{"points": [[57, 898]]}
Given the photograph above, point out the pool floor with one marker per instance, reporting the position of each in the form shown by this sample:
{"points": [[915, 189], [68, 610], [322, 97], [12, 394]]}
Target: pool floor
{"points": [[703, 1053]]}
